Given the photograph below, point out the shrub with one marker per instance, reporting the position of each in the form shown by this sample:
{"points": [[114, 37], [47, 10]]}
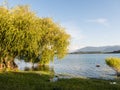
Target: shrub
{"points": [[114, 62]]}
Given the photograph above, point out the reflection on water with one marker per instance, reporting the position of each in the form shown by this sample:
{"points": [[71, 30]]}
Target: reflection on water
{"points": [[46, 69], [84, 65], [76, 65], [29, 67]]}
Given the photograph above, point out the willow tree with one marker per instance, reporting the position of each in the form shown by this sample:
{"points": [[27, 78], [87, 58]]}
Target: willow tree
{"points": [[25, 35]]}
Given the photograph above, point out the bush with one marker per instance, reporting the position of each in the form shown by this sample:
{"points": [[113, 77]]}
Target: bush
{"points": [[114, 62]]}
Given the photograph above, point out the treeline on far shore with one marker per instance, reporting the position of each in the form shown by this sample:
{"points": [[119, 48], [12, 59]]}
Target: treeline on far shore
{"points": [[118, 51]]}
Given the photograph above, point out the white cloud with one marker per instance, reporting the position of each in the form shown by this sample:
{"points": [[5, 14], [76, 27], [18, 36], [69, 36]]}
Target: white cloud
{"points": [[73, 47], [102, 21], [76, 35], [73, 30]]}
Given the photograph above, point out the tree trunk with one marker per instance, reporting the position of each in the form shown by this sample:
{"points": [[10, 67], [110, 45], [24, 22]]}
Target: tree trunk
{"points": [[118, 74], [32, 66], [12, 65], [3, 64], [8, 63]]}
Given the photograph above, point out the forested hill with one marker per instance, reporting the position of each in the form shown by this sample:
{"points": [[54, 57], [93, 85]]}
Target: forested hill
{"points": [[103, 49]]}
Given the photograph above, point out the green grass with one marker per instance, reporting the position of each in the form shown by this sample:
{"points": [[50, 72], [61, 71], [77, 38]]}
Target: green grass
{"points": [[35, 81]]}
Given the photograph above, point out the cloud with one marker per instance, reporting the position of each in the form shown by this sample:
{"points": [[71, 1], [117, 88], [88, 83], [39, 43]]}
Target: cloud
{"points": [[102, 21], [73, 30], [76, 34]]}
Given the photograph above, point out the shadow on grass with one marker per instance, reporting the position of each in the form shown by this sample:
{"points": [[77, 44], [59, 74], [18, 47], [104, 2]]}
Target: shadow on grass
{"points": [[35, 81]]}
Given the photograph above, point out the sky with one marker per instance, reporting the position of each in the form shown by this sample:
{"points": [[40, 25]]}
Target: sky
{"points": [[89, 22]]}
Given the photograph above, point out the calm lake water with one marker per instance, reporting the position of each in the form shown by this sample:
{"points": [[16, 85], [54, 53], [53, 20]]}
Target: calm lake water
{"points": [[81, 65]]}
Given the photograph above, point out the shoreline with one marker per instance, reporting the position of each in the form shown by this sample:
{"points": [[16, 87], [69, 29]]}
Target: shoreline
{"points": [[35, 81]]}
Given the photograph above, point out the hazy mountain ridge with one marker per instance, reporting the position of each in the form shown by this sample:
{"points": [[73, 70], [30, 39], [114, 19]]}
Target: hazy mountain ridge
{"points": [[99, 49]]}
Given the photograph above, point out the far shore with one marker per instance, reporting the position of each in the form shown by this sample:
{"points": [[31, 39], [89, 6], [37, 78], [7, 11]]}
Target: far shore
{"points": [[94, 53]]}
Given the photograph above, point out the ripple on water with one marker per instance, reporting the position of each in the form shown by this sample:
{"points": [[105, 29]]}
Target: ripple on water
{"points": [[85, 65], [80, 65]]}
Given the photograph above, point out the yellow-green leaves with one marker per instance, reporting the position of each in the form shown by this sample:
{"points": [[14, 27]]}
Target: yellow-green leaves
{"points": [[113, 62], [25, 35]]}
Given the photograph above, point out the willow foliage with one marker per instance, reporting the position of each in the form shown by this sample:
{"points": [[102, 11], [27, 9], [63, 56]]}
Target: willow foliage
{"points": [[25, 35], [113, 62]]}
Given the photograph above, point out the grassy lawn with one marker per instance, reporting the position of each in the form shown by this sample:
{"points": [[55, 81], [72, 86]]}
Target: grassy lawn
{"points": [[34, 81]]}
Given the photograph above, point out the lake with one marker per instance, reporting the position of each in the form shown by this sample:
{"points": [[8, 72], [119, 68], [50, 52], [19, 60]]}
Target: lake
{"points": [[81, 65]]}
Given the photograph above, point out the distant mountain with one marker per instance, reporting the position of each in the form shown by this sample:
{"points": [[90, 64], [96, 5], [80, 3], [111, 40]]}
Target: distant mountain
{"points": [[102, 49], [111, 48]]}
